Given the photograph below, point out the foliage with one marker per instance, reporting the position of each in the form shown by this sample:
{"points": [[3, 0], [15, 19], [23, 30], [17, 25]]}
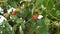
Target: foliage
{"points": [[48, 8]]}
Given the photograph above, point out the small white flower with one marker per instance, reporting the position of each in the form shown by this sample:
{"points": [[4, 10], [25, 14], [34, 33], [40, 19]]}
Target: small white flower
{"points": [[2, 18], [2, 12], [10, 17], [10, 10], [24, 20], [1, 9], [40, 17], [21, 18]]}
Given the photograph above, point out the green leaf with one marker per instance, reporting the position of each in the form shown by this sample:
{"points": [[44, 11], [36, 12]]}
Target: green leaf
{"points": [[47, 21], [53, 12], [21, 31], [44, 13], [50, 4], [57, 5], [23, 25]]}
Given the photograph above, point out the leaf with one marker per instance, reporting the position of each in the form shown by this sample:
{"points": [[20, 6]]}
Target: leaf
{"points": [[44, 13], [32, 30], [47, 21], [57, 5], [45, 2], [50, 4], [21, 31], [53, 12], [23, 25]]}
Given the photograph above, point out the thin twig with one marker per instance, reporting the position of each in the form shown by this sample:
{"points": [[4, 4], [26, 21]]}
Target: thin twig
{"points": [[29, 20]]}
